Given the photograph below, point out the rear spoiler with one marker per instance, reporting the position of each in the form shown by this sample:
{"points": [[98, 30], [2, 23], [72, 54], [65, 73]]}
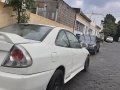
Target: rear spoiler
{"points": [[11, 38], [3, 37]]}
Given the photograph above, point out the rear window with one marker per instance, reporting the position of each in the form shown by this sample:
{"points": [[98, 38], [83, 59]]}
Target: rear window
{"points": [[29, 31]]}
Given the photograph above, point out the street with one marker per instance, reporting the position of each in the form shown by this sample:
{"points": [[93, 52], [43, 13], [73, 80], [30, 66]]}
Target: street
{"points": [[104, 72]]}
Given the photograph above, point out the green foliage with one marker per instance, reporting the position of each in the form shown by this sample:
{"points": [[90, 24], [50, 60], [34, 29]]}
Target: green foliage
{"points": [[21, 7], [110, 27], [118, 28]]}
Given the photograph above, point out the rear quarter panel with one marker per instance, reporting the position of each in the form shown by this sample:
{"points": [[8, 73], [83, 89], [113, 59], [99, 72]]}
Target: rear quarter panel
{"points": [[41, 57]]}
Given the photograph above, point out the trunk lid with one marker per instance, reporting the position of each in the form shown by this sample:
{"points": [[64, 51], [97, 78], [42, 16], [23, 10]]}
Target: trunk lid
{"points": [[7, 41]]}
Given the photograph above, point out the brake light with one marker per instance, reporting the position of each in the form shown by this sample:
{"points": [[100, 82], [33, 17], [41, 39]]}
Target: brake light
{"points": [[17, 54], [18, 58]]}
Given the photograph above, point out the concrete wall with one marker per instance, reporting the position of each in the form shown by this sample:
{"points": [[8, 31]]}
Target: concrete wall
{"points": [[82, 20], [42, 20], [6, 16], [58, 9], [66, 14]]}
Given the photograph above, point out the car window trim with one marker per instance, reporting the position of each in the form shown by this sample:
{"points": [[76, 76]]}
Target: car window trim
{"points": [[69, 40], [46, 34], [66, 37]]}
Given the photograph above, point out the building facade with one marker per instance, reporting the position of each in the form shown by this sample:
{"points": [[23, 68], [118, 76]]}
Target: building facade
{"points": [[83, 25], [56, 10], [55, 13]]}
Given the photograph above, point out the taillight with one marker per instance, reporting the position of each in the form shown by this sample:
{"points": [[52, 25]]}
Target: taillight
{"points": [[17, 55], [18, 58]]}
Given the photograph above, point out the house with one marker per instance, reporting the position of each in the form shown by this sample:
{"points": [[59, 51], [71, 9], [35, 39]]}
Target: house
{"points": [[82, 23], [56, 10], [52, 12]]}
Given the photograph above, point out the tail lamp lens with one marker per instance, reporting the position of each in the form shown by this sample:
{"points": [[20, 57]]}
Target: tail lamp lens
{"points": [[18, 58], [17, 55]]}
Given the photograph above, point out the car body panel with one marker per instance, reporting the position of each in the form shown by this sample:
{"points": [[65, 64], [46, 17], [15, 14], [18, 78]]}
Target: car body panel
{"points": [[37, 81], [46, 58]]}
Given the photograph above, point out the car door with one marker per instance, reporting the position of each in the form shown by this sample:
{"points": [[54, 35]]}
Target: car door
{"points": [[65, 56], [78, 54]]}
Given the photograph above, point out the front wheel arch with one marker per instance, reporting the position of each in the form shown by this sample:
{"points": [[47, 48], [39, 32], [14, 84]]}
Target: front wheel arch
{"points": [[86, 64]]}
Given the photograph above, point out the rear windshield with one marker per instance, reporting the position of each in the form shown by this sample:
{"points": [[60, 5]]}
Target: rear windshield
{"points": [[28, 31]]}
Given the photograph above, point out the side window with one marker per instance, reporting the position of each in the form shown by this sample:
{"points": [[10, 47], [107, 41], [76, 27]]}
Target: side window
{"points": [[74, 43], [62, 40]]}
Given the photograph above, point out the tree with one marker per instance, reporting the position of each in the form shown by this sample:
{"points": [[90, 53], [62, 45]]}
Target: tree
{"points": [[118, 28], [21, 7], [109, 26], [116, 37]]}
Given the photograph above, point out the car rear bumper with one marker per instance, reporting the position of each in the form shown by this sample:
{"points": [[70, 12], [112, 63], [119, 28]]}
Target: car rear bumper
{"points": [[25, 82]]}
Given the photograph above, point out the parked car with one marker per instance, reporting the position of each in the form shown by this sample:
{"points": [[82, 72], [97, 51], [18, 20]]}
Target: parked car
{"points": [[84, 41], [39, 57], [109, 39], [93, 43]]}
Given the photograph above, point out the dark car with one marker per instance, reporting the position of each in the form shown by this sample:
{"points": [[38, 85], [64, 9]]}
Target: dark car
{"points": [[93, 43]]}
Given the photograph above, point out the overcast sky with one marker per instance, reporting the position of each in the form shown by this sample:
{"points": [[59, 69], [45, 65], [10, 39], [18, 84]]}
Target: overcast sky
{"points": [[97, 6]]}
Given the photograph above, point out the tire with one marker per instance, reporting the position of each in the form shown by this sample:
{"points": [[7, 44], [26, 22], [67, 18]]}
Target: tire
{"points": [[86, 65], [57, 81], [98, 50], [94, 52]]}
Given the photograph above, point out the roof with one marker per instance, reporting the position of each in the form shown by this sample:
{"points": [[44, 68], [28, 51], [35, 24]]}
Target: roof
{"points": [[98, 27], [78, 10]]}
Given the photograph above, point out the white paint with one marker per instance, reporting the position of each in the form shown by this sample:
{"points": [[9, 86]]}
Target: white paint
{"points": [[47, 57]]}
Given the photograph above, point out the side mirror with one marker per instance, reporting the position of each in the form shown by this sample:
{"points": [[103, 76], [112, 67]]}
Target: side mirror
{"points": [[109, 39]]}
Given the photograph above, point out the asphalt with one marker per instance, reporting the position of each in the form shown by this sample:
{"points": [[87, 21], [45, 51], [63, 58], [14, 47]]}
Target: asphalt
{"points": [[104, 71]]}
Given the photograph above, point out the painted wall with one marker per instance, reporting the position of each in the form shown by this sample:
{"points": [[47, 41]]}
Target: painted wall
{"points": [[82, 20], [6, 16], [41, 20], [88, 25]]}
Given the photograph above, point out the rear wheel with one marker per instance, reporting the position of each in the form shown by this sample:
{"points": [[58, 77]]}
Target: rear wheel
{"points": [[57, 81], [86, 66]]}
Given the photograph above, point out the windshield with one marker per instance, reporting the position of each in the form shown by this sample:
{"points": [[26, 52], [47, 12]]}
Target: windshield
{"points": [[28, 31]]}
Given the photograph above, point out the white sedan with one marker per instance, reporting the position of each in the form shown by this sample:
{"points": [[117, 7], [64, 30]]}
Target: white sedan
{"points": [[39, 57]]}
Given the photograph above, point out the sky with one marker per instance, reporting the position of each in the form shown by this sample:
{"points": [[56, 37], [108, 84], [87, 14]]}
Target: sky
{"points": [[99, 7]]}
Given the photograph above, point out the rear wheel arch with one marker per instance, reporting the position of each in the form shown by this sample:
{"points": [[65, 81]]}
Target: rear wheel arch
{"points": [[59, 71], [86, 64], [62, 68]]}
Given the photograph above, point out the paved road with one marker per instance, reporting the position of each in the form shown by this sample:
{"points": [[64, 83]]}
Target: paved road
{"points": [[104, 72]]}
